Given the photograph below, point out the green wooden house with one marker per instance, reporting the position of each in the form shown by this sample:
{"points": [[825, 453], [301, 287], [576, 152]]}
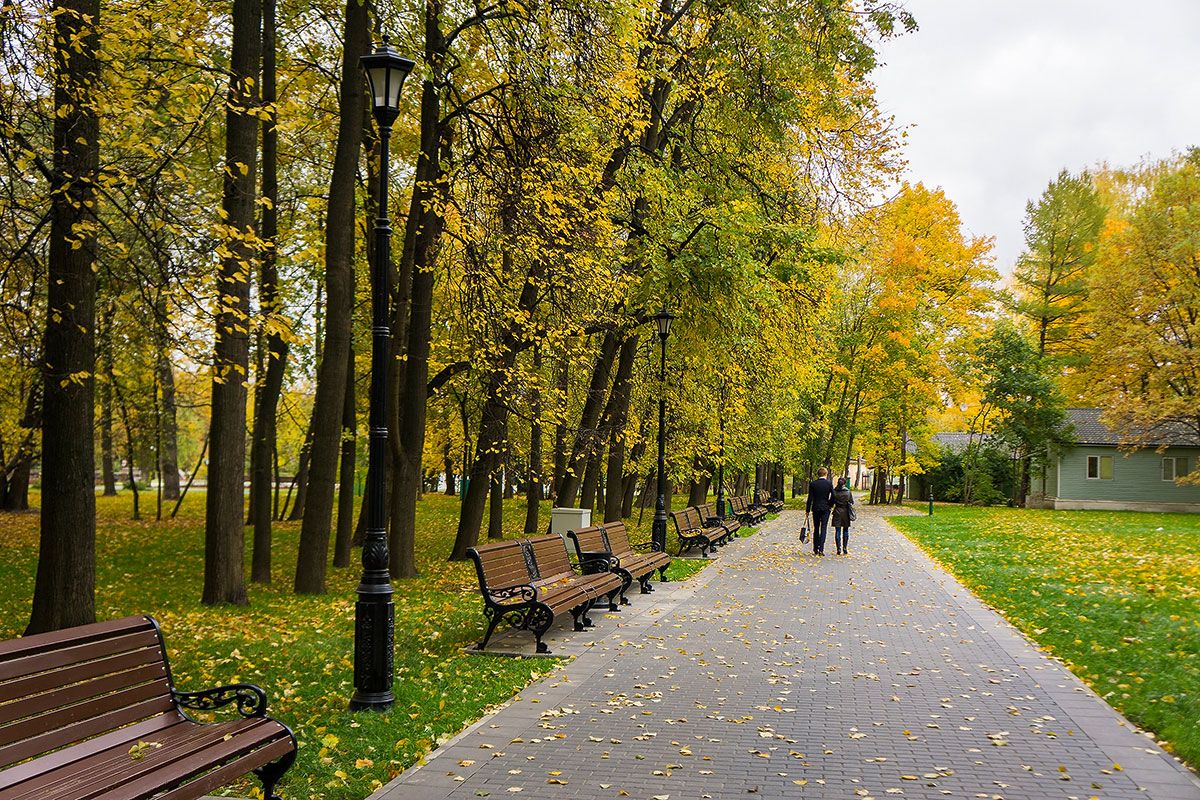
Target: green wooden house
{"points": [[1094, 473]]}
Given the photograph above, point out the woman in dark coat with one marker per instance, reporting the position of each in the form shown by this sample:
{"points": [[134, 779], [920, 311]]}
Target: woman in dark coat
{"points": [[843, 498]]}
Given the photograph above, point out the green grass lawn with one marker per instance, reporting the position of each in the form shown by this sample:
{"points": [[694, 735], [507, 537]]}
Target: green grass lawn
{"points": [[299, 648], [1115, 595]]}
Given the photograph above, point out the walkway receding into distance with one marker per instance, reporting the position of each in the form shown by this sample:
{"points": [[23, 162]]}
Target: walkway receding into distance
{"points": [[779, 674]]}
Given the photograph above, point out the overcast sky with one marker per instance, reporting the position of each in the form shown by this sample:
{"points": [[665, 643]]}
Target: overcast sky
{"points": [[1002, 94]]}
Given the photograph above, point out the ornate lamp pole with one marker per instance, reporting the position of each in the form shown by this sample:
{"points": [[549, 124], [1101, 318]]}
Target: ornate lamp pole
{"points": [[374, 613], [658, 535]]}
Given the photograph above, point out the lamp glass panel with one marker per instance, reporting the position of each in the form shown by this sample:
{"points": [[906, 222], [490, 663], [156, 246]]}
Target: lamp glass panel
{"points": [[379, 86]]}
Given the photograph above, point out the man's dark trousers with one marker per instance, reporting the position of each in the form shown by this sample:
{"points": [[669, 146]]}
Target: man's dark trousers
{"points": [[820, 529], [819, 504]]}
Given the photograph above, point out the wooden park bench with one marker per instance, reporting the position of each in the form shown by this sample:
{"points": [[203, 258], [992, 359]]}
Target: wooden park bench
{"points": [[708, 513], [609, 544], [530, 582], [764, 500], [91, 712], [745, 512], [693, 532]]}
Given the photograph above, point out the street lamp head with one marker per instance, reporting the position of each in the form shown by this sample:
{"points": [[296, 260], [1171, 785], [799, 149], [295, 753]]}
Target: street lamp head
{"points": [[386, 70], [663, 320]]}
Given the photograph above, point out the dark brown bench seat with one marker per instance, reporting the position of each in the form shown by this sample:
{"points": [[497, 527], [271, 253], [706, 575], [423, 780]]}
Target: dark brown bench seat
{"points": [[608, 546], [764, 500], [693, 532], [91, 712], [530, 582], [745, 512], [708, 513]]}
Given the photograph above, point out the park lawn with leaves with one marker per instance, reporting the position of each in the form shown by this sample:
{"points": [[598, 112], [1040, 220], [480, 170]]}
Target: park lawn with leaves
{"points": [[1115, 595], [300, 648]]}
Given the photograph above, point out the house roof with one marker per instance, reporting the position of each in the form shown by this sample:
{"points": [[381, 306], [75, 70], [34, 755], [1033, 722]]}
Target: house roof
{"points": [[1089, 430], [954, 441]]}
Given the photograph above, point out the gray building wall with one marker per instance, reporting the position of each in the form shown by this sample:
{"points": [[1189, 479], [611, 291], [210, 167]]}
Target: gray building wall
{"points": [[1136, 482]]}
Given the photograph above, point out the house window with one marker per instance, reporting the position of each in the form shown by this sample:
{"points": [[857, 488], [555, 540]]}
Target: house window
{"points": [[1100, 468], [1174, 467]]}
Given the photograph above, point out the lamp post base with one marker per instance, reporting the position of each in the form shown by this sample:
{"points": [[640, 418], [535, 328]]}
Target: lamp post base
{"points": [[374, 640]]}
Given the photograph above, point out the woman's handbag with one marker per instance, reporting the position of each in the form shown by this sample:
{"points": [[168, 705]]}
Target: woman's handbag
{"points": [[804, 530], [853, 513]]}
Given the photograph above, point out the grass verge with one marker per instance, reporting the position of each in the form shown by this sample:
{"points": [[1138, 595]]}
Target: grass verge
{"points": [[1115, 595], [300, 648]]}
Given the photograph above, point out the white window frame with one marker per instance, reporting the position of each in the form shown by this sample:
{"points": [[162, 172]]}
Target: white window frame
{"points": [[1175, 467], [1099, 460]]}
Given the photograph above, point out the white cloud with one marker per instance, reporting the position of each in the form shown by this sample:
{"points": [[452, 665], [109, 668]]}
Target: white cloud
{"points": [[1002, 94]]}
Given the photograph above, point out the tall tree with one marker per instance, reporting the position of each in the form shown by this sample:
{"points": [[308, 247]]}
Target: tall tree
{"points": [[64, 593], [263, 437], [1146, 295], [339, 291], [1061, 232], [224, 578]]}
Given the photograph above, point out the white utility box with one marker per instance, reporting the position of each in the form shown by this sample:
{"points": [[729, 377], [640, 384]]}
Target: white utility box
{"points": [[569, 519]]}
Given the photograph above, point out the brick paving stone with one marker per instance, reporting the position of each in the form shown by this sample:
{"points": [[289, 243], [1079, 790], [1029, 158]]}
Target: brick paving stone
{"points": [[778, 674]]}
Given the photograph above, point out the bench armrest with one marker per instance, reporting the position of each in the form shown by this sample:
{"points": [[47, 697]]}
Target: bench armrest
{"points": [[250, 700], [512, 595], [597, 561]]}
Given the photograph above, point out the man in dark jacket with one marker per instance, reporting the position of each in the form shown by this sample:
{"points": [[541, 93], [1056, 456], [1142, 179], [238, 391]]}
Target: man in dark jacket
{"points": [[820, 501]]}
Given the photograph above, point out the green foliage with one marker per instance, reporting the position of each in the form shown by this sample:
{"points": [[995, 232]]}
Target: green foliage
{"points": [[1116, 596]]}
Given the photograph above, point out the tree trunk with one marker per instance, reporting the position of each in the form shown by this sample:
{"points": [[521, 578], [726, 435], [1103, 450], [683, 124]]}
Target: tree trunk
{"points": [[300, 479], [533, 491], [562, 385], [170, 429], [330, 398], [17, 469], [270, 378], [496, 508], [614, 497], [107, 469], [423, 233], [569, 479], [345, 514], [224, 579], [591, 478], [64, 592], [698, 491], [448, 468]]}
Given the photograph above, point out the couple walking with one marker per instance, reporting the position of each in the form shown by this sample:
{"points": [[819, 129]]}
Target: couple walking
{"points": [[824, 500]]}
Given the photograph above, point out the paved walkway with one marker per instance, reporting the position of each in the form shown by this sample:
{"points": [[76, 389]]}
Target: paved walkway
{"points": [[777, 674]]}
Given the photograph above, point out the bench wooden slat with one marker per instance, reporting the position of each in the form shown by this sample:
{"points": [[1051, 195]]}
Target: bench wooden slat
{"points": [[28, 748], [81, 634], [223, 775], [74, 692], [116, 772], [43, 681], [25, 665], [63, 717], [90, 768], [147, 729]]}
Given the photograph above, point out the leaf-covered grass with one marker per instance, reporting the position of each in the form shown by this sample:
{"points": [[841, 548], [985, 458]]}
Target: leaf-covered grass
{"points": [[1115, 595], [300, 648]]}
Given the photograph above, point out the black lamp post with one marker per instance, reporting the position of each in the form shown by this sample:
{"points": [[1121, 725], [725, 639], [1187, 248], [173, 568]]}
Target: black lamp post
{"points": [[374, 613], [658, 535]]}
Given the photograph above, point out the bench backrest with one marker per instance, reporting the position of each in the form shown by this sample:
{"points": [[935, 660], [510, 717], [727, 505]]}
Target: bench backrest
{"points": [[706, 511], [682, 523], [502, 565], [589, 540], [738, 504], [82, 684], [694, 517], [618, 538], [550, 553]]}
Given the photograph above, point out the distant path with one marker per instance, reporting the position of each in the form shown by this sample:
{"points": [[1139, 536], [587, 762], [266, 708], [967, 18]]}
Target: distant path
{"points": [[781, 675]]}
